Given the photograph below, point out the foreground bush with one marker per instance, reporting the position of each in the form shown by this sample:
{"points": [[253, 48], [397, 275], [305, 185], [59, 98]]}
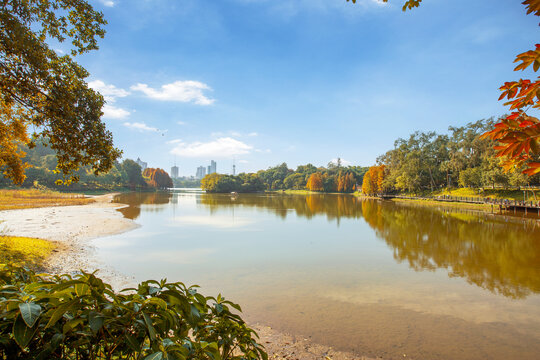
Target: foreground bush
{"points": [[81, 317]]}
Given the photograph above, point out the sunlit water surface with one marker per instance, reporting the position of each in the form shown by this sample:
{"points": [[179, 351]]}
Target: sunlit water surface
{"points": [[372, 277]]}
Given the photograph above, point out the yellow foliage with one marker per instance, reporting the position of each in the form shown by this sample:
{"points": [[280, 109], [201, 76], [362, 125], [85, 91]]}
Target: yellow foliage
{"points": [[32, 198], [24, 251]]}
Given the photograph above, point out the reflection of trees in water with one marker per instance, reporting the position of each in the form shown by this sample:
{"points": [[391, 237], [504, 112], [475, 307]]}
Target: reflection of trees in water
{"points": [[333, 206], [135, 199], [501, 256], [491, 253]]}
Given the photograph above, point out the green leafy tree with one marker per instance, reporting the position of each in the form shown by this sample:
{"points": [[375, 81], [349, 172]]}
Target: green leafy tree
{"points": [[471, 177], [41, 89], [133, 173]]}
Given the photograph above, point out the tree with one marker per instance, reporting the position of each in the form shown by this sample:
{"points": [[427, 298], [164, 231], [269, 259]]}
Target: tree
{"points": [[518, 134], [373, 180], [157, 178], [133, 173], [41, 89], [315, 182]]}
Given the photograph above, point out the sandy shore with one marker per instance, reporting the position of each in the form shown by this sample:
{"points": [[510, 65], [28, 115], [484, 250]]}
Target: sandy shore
{"points": [[72, 228]]}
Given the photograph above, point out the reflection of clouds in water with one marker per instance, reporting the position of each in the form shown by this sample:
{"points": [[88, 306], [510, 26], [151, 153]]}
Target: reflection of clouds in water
{"points": [[468, 304], [193, 256], [219, 222]]}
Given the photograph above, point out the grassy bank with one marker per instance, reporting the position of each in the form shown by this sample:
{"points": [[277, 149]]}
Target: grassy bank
{"points": [[32, 198], [459, 205], [24, 251], [491, 193]]}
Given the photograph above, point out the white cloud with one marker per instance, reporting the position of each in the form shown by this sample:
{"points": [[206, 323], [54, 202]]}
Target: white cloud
{"points": [[113, 112], [108, 3], [109, 92], [174, 141], [243, 161], [266, 151], [219, 148], [343, 162], [181, 123], [253, 134], [181, 91], [140, 126], [218, 222]]}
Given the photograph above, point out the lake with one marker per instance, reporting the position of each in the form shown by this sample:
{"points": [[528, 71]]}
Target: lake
{"points": [[377, 278]]}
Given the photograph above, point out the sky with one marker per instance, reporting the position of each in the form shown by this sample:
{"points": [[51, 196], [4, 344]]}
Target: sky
{"points": [[261, 82]]}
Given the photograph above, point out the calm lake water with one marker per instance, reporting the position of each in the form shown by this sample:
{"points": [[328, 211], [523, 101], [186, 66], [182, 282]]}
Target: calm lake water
{"points": [[373, 277]]}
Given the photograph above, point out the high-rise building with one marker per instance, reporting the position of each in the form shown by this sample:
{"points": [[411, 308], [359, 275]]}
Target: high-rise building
{"points": [[174, 172], [212, 167], [201, 172], [142, 164]]}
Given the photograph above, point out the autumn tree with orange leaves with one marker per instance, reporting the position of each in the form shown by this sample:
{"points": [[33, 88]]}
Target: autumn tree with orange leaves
{"points": [[373, 180], [157, 178], [315, 182], [517, 134]]}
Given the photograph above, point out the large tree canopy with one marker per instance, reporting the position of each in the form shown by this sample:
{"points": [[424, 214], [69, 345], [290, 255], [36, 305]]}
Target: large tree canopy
{"points": [[518, 134], [45, 92]]}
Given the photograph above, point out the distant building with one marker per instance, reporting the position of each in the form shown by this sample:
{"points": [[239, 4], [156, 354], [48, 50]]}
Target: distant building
{"points": [[213, 167], [201, 172], [174, 172], [142, 164]]}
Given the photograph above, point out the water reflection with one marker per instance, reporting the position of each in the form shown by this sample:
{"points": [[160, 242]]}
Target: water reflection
{"points": [[493, 252], [487, 250], [375, 277], [153, 201], [334, 207]]}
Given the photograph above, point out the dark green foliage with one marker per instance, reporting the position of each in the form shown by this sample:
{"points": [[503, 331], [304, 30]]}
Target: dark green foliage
{"points": [[426, 162], [282, 178], [133, 173], [81, 317], [43, 172]]}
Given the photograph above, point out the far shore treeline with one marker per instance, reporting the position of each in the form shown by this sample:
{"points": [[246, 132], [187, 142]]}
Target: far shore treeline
{"points": [[425, 162], [333, 178], [125, 175]]}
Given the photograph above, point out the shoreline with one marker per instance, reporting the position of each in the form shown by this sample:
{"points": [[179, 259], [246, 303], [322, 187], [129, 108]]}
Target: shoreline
{"points": [[72, 228]]}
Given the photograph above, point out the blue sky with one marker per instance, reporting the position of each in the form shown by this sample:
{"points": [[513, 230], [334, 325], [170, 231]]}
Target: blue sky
{"points": [[300, 81]]}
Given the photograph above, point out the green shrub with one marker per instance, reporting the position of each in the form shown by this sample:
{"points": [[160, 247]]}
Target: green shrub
{"points": [[81, 317]]}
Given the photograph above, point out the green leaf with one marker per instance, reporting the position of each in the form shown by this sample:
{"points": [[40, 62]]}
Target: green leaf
{"points": [[72, 324], [81, 289], [219, 308], [149, 326], [159, 302], [59, 312], [155, 356], [133, 343], [30, 313], [22, 333], [95, 320]]}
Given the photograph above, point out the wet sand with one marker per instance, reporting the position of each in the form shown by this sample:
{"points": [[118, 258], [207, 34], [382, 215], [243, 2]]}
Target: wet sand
{"points": [[73, 227]]}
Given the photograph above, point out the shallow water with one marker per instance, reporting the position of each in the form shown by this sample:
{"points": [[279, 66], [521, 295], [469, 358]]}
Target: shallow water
{"points": [[373, 277]]}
